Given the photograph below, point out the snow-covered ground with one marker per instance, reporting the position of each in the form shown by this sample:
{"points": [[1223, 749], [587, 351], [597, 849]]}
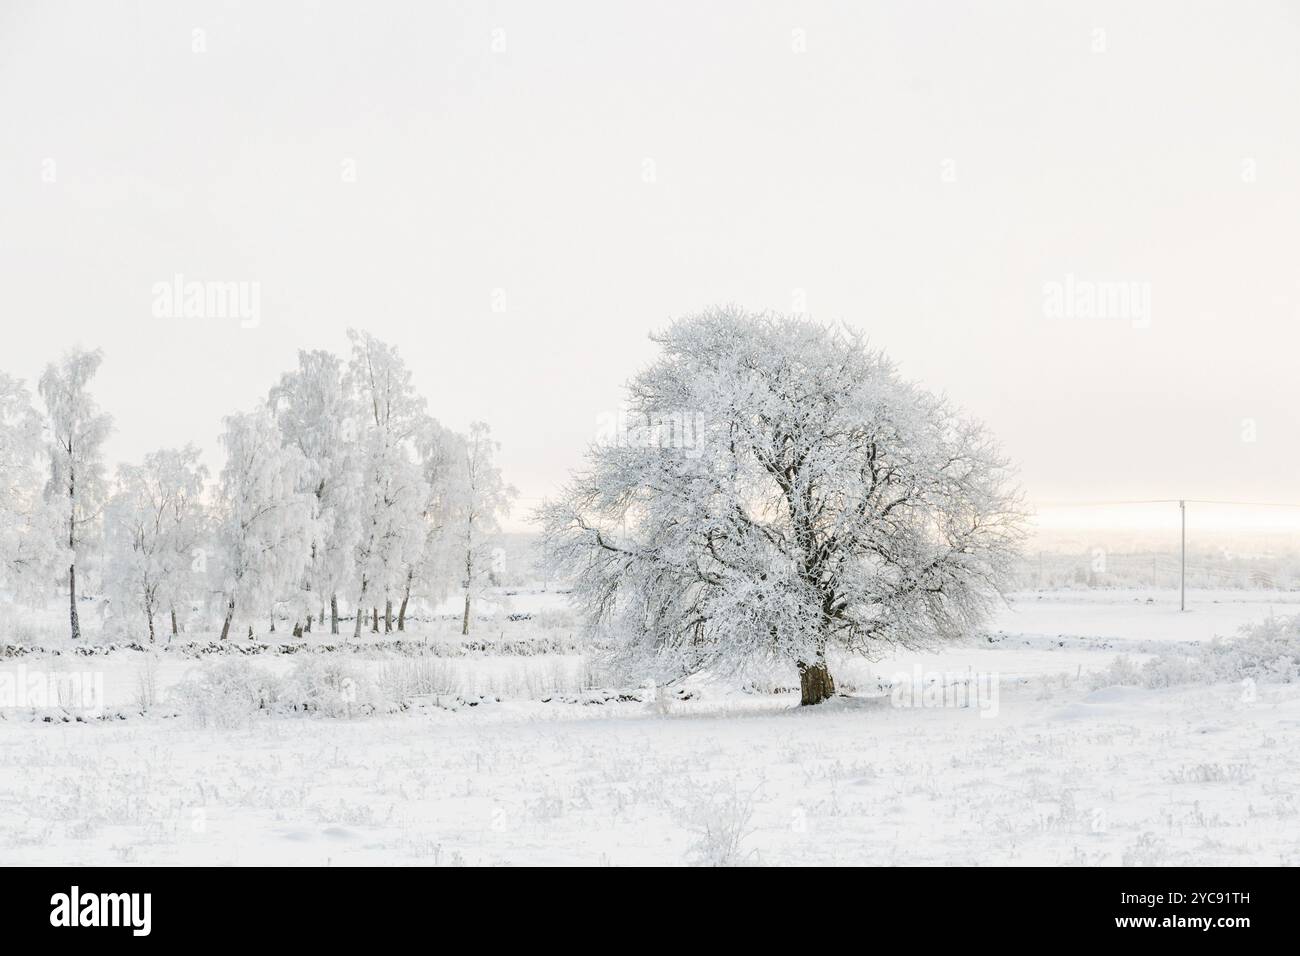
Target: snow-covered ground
{"points": [[1045, 765]]}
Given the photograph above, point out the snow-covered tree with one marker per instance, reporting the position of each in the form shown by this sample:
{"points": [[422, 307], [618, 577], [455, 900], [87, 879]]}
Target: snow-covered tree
{"points": [[187, 525], [152, 524], [482, 499], [429, 575], [783, 493], [76, 430], [392, 492], [29, 550], [318, 415], [264, 518]]}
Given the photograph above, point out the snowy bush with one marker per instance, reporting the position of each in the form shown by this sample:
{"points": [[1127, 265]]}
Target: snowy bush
{"points": [[1147, 850], [1172, 669], [720, 824], [1265, 652], [225, 694], [404, 679], [1166, 670], [146, 683], [330, 687], [229, 693]]}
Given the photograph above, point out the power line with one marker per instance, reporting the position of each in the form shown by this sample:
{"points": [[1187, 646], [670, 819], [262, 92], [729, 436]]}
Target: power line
{"points": [[1252, 504], [1080, 504], [1166, 501]]}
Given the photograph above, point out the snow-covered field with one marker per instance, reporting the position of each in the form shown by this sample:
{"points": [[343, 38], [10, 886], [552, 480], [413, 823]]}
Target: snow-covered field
{"points": [[510, 758]]}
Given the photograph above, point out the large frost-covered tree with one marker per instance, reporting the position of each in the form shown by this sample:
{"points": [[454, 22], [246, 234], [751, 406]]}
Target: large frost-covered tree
{"points": [[783, 494], [76, 431], [152, 524], [28, 546], [482, 499], [392, 492], [264, 518], [319, 416]]}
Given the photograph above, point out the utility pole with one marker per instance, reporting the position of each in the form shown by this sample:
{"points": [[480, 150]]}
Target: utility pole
{"points": [[1182, 574]]}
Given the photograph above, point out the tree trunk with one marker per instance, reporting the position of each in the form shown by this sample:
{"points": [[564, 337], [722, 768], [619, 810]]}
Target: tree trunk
{"points": [[388, 616], [359, 612], [374, 620], [401, 611], [148, 613], [174, 630], [72, 592], [334, 614], [230, 613], [72, 544], [308, 627], [464, 626], [815, 683]]}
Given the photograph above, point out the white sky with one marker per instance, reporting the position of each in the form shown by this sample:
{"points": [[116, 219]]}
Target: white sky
{"points": [[775, 171]]}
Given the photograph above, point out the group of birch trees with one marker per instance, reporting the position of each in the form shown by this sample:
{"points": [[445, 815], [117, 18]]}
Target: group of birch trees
{"points": [[339, 496]]}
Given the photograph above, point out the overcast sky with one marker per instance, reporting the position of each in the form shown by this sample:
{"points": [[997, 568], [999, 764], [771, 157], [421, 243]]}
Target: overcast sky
{"points": [[516, 193]]}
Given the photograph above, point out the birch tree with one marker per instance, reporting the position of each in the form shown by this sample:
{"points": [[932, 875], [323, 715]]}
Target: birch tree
{"points": [[265, 525], [76, 430], [181, 479], [439, 453], [318, 414], [152, 523], [482, 500], [783, 494], [392, 492]]}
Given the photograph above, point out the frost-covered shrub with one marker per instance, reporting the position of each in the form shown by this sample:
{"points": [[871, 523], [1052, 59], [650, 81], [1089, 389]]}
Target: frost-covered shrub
{"points": [[1147, 850], [228, 693], [146, 683], [331, 687], [720, 823], [225, 694], [1265, 652], [1172, 670], [407, 678], [1121, 672]]}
